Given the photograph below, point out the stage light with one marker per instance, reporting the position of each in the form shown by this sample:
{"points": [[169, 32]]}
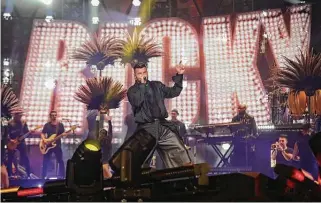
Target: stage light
{"points": [[7, 16], [135, 21], [95, 20], [95, 2], [226, 146], [49, 19], [50, 83], [84, 169], [47, 2], [136, 2], [6, 62]]}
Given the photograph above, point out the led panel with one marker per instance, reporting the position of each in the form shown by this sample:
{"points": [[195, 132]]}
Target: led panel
{"points": [[42, 70], [117, 72], [230, 61], [188, 102], [183, 47], [286, 43]]}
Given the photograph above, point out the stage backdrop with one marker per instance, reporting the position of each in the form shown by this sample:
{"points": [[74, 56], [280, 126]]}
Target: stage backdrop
{"points": [[221, 64]]}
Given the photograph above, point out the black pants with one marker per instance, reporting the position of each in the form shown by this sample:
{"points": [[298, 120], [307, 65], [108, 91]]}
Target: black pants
{"points": [[169, 146], [46, 159], [24, 160]]}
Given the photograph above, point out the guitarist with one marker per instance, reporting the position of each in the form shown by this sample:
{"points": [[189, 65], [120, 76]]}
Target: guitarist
{"points": [[16, 128], [50, 128]]}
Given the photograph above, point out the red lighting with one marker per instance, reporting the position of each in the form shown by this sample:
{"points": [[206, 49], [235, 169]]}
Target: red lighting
{"points": [[297, 175], [30, 192]]}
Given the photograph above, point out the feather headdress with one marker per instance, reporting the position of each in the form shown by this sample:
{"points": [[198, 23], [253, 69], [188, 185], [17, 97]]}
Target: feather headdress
{"points": [[301, 74], [9, 102], [138, 49], [99, 51], [101, 93]]}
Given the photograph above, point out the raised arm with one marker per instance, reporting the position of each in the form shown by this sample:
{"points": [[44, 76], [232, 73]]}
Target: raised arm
{"points": [[171, 92]]}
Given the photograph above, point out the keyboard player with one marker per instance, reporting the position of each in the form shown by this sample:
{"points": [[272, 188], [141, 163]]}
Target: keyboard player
{"points": [[242, 155]]}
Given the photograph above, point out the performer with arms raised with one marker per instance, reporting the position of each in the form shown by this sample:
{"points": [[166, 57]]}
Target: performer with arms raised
{"points": [[147, 100]]}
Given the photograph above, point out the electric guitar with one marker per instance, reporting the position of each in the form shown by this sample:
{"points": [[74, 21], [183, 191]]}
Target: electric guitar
{"points": [[45, 147], [12, 144]]}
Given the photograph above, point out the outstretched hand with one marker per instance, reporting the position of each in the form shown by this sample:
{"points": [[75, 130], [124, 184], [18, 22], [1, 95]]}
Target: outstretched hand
{"points": [[180, 69]]}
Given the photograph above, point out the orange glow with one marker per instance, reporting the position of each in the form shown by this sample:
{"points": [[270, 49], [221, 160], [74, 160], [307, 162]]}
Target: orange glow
{"points": [[297, 175], [290, 184], [9, 190], [30, 192]]}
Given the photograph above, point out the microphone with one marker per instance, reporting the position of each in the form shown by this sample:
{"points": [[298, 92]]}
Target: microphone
{"points": [[145, 78]]}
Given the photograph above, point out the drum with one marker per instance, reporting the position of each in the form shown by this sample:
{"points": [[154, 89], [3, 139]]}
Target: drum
{"points": [[316, 102], [297, 102]]}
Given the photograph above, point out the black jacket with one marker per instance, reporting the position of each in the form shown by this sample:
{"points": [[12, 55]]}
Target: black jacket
{"points": [[137, 97], [247, 119]]}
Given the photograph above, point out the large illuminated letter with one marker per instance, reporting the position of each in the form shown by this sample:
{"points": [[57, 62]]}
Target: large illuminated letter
{"points": [[180, 43], [230, 61], [42, 69]]}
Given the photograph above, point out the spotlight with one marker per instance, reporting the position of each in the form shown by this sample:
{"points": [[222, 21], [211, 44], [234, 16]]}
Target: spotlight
{"points": [[226, 146], [6, 61], [49, 19], [136, 2], [135, 21], [50, 83], [7, 16], [95, 20], [84, 169], [47, 2], [95, 2]]}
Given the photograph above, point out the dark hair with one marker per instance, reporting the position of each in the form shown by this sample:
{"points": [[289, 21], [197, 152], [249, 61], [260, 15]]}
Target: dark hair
{"points": [[140, 65], [284, 136], [52, 111]]}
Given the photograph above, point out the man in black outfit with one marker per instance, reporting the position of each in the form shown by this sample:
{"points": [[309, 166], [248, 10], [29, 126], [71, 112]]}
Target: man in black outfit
{"points": [[17, 128], [242, 155], [147, 100], [50, 128], [247, 119], [181, 126]]}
